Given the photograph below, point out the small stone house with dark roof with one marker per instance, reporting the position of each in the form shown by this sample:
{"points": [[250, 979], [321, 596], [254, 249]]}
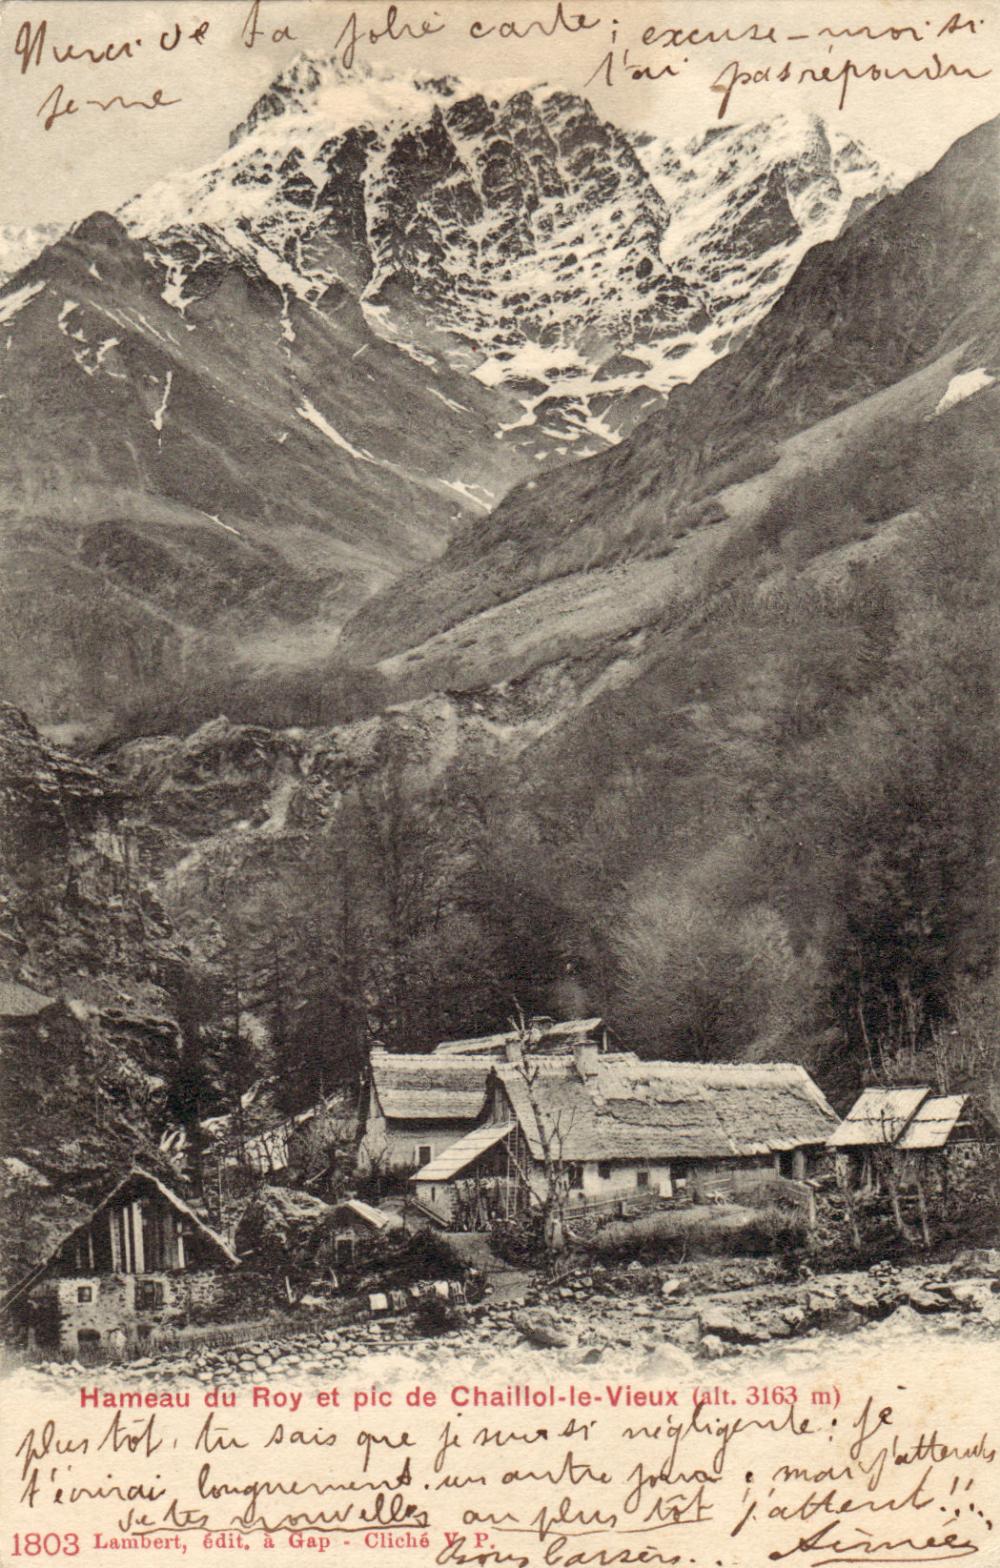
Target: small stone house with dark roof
{"points": [[414, 1107], [141, 1260], [623, 1128]]}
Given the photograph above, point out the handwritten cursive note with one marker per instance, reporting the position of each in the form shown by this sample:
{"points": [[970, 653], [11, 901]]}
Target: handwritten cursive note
{"points": [[562, 1473], [737, 67]]}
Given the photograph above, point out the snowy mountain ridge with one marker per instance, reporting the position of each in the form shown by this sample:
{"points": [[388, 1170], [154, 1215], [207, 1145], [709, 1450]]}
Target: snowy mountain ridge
{"points": [[512, 229]]}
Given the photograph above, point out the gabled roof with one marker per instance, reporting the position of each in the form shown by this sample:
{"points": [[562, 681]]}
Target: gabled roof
{"points": [[538, 1032], [136, 1175], [934, 1122], [205, 1231], [628, 1109], [429, 1088], [377, 1219], [878, 1117], [460, 1155]]}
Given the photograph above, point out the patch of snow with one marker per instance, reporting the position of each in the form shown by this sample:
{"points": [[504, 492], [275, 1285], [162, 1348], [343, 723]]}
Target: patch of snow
{"points": [[92, 269], [359, 351], [12, 303], [314, 417], [287, 330], [469, 492], [967, 384], [227, 526], [459, 408], [157, 420], [155, 331], [69, 305]]}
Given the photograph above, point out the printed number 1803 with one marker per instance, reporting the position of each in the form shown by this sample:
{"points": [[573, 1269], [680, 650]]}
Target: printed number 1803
{"points": [[51, 1545]]}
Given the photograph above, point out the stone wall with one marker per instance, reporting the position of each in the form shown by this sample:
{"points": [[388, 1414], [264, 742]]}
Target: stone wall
{"points": [[109, 1311]]}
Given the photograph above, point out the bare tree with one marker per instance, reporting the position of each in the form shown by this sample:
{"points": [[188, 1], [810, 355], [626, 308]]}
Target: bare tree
{"points": [[553, 1131]]}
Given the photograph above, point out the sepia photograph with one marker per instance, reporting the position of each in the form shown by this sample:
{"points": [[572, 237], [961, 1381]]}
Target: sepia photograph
{"points": [[500, 782]]}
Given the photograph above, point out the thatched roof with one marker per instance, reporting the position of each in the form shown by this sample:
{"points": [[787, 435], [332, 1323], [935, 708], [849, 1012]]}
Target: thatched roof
{"points": [[626, 1109], [429, 1088], [460, 1155], [877, 1118]]}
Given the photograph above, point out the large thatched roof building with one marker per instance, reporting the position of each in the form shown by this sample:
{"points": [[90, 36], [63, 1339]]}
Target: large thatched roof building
{"points": [[618, 1125], [413, 1107]]}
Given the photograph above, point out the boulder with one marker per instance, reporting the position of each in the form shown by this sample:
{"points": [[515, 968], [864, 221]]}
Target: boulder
{"points": [[712, 1347], [540, 1329], [977, 1262], [902, 1322], [774, 1325], [923, 1300], [728, 1323], [971, 1295], [861, 1297]]}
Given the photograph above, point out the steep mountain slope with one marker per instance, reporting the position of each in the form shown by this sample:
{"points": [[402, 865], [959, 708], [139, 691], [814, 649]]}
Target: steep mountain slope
{"points": [[743, 667], [842, 373], [88, 963], [747, 201], [514, 229], [183, 491]]}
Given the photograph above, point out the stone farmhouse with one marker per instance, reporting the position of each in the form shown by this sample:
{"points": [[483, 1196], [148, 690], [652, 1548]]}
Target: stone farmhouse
{"points": [[142, 1260]]}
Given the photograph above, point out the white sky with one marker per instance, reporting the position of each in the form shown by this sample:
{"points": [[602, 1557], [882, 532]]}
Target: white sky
{"points": [[96, 159]]}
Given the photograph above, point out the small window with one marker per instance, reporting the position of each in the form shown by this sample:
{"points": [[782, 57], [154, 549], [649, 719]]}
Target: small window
{"points": [[575, 1173], [604, 1170], [88, 1338], [84, 1293], [148, 1295], [642, 1180], [424, 1153]]}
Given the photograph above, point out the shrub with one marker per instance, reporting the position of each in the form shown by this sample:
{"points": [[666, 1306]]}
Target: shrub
{"points": [[726, 1231]]}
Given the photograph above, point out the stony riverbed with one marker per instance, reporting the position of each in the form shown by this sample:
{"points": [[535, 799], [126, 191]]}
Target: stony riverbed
{"points": [[604, 1319]]}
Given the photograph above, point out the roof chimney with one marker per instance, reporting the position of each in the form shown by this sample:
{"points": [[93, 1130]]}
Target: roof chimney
{"points": [[585, 1057]]}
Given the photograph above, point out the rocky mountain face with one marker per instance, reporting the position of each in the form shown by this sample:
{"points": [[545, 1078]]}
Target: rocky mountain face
{"points": [[216, 488], [88, 1036], [738, 664], [523, 278], [534, 243], [841, 366]]}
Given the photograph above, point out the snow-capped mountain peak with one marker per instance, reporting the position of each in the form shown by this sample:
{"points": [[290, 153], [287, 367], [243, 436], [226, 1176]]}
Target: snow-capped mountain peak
{"points": [[513, 230]]}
